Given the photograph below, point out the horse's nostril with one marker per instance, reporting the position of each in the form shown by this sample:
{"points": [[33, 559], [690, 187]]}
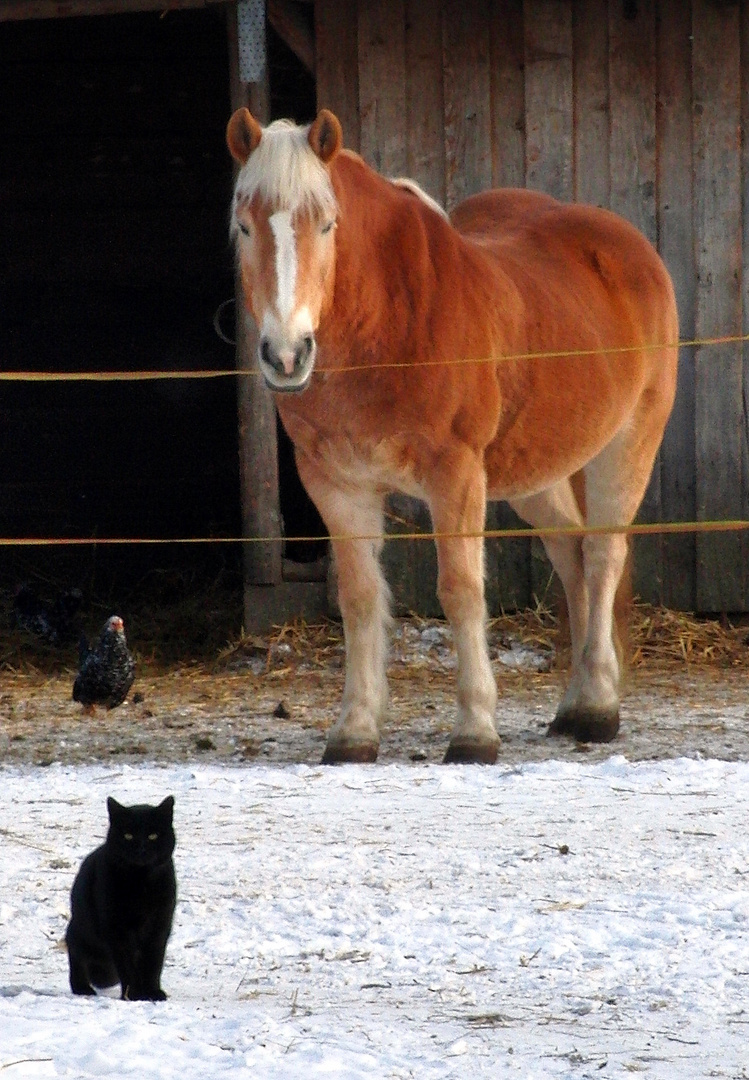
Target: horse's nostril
{"points": [[269, 356], [304, 351]]}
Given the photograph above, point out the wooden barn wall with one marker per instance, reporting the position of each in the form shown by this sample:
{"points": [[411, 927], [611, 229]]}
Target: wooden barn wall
{"points": [[635, 106]]}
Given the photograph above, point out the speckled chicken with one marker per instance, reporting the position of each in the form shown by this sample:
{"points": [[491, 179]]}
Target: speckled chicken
{"points": [[107, 671]]}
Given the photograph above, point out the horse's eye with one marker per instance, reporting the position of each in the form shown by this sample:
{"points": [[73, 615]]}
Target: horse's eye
{"points": [[243, 228], [153, 836], [327, 227]]}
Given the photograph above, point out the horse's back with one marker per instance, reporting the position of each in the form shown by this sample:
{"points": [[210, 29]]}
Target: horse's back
{"points": [[542, 244]]}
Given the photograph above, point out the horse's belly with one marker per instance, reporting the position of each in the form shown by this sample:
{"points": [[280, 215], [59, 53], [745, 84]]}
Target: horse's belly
{"points": [[541, 450]]}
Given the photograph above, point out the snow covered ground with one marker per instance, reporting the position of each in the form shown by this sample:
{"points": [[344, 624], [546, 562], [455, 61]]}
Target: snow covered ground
{"points": [[555, 919]]}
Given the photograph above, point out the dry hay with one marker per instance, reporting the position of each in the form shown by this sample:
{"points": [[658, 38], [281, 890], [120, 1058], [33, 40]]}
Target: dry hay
{"points": [[659, 638], [174, 624]]}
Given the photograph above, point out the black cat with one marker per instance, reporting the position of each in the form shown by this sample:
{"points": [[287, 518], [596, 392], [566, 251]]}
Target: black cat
{"points": [[122, 903]]}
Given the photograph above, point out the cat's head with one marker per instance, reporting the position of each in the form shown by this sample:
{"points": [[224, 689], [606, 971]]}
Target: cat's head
{"points": [[141, 835]]}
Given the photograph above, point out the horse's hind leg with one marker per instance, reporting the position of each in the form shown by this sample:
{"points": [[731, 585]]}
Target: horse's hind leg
{"points": [[615, 483], [363, 598], [460, 507], [557, 507]]}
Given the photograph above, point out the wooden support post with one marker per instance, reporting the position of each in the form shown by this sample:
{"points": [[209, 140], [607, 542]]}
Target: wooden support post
{"points": [[258, 450]]}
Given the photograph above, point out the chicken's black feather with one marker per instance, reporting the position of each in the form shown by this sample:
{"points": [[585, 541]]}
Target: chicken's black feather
{"points": [[107, 671]]}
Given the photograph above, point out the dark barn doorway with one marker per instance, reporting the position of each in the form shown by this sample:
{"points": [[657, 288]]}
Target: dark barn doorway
{"points": [[114, 256]]}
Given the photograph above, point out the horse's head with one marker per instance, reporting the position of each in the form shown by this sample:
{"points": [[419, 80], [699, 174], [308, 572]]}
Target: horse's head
{"points": [[283, 223]]}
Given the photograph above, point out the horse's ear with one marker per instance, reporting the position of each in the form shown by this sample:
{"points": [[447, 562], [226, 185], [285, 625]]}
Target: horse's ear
{"points": [[243, 133], [325, 136]]}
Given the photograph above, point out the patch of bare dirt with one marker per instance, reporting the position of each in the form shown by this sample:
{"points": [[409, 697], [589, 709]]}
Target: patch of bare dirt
{"points": [[272, 699]]}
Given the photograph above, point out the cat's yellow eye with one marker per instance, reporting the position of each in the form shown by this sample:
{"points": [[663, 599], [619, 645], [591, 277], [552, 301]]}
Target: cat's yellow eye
{"points": [[153, 836], [128, 836]]}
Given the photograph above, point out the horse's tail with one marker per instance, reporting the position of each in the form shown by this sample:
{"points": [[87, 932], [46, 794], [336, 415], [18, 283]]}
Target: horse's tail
{"points": [[624, 593]]}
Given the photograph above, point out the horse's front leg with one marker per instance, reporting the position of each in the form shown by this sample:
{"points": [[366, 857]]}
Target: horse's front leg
{"points": [[458, 506], [363, 598]]}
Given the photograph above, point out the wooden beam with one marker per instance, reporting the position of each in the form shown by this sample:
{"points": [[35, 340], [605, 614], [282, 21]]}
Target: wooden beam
{"points": [[507, 90], [467, 94], [382, 85], [719, 390], [548, 162], [16, 10], [632, 91], [294, 28], [676, 245], [548, 97], [591, 135], [337, 66], [425, 132], [258, 447]]}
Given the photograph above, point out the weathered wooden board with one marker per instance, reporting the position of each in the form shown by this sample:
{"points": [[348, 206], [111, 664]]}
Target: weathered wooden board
{"points": [[508, 582], [411, 565], [11, 10], [382, 84], [632, 82], [337, 66], [548, 153], [719, 403], [425, 105], [258, 449], [507, 87], [468, 157], [591, 165], [676, 243], [745, 278], [548, 96]]}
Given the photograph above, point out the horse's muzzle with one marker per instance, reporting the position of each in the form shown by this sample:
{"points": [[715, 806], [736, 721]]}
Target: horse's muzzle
{"points": [[287, 370]]}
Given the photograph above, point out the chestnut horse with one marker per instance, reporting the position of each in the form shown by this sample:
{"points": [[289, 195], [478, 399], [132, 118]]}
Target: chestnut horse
{"points": [[383, 325]]}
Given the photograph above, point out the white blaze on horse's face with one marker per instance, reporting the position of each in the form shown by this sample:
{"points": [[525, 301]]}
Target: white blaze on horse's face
{"points": [[283, 220]]}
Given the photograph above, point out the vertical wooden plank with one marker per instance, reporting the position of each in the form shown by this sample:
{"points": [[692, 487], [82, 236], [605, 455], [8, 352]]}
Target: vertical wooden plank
{"points": [[468, 158], [258, 450], [591, 170], [719, 418], [745, 287], [508, 585], [337, 64], [632, 80], [478, 118], [425, 107], [548, 96], [507, 88], [382, 84], [384, 96], [632, 104], [548, 157], [676, 245], [411, 565]]}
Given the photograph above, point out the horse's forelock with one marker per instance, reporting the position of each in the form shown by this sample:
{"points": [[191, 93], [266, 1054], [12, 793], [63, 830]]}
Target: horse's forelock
{"points": [[284, 171]]}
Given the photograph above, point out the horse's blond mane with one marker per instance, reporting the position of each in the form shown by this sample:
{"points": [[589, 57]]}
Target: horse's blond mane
{"points": [[418, 191], [284, 170]]}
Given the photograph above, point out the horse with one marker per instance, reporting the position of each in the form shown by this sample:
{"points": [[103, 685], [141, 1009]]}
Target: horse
{"points": [[501, 352]]}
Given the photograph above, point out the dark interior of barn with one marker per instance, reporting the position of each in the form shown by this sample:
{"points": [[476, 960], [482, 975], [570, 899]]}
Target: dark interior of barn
{"points": [[114, 256]]}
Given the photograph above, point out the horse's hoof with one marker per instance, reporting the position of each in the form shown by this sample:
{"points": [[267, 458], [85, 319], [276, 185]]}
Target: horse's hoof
{"points": [[343, 751], [585, 726], [471, 752]]}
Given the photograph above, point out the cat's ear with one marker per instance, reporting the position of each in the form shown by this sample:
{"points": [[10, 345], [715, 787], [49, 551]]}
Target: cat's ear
{"points": [[167, 806], [113, 807]]}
